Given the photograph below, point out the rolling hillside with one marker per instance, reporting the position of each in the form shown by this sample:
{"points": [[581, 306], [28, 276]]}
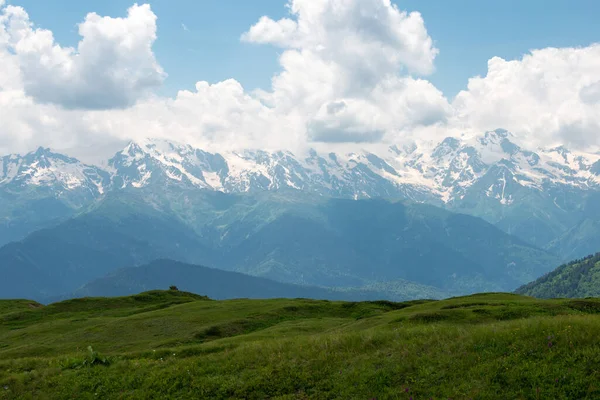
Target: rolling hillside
{"points": [[180, 345]]}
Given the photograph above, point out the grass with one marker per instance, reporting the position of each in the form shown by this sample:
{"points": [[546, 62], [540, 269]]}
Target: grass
{"points": [[9, 306], [174, 345]]}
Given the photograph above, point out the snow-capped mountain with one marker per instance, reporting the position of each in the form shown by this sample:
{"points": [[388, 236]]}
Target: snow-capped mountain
{"points": [[44, 169], [535, 194], [447, 172], [455, 166], [44, 188], [355, 175]]}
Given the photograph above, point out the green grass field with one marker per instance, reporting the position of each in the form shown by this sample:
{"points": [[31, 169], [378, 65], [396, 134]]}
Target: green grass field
{"points": [[175, 345]]}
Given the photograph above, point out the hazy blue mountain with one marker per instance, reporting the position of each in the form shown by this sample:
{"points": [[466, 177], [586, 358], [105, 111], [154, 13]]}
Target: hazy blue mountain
{"points": [[299, 239], [218, 284], [577, 279], [349, 243], [584, 237], [114, 235]]}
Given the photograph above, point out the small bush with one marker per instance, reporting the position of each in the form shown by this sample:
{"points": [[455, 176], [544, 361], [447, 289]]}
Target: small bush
{"points": [[93, 359], [586, 306]]}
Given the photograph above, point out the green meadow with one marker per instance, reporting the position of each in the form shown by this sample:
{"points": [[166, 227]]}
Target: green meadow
{"points": [[176, 345]]}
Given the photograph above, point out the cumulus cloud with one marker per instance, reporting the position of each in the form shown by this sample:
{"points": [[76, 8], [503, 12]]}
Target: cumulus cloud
{"points": [[590, 94], [353, 73], [46, 90], [356, 53], [112, 67], [221, 113], [350, 120], [372, 37], [550, 96]]}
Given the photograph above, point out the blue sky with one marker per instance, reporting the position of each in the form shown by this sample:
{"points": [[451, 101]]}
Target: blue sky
{"points": [[467, 32]]}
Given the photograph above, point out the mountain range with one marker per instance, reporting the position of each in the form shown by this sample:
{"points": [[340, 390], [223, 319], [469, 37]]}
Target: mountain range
{"points": [[371, 244], [547, 197], [455, 217]]}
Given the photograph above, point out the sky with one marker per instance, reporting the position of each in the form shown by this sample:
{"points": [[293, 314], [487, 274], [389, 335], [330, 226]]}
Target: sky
{"points": [[272, 73]]}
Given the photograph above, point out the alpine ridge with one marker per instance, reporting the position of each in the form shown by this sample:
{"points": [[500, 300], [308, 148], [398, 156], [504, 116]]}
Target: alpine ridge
{"points": [[538, 195]]}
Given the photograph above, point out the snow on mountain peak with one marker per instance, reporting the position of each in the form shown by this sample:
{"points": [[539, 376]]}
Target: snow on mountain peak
{"points": [[44, 168], [490, 164], [157, 160]]}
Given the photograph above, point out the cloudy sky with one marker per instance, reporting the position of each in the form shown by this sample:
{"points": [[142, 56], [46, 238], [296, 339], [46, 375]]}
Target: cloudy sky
{"points": [[274, 74]]}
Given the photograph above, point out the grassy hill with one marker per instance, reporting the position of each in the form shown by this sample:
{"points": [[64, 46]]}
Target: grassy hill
{"points": [[176, 345], [580, 278]]}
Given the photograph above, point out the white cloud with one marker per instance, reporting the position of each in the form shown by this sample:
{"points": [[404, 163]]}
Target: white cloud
{"points": [[112, 67], [550, 96], [355, 53], [267, 31], [590, 94], [371, 37], [345, 78], [348, 120], [220, 114]]}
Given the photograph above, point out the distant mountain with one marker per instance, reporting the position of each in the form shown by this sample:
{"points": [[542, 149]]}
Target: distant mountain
{"points": [[539, 195], [159, 163], [381, 241], [583, 238], [42, 189], [535, 195], [578, 279], [217, 284], [52, 172], [302, 240], [114, 235]]}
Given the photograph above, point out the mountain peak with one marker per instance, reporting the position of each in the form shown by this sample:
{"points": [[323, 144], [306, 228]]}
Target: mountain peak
{"points": [[495, 137], [45, 157], [562, 150], [501, 133], [56, 172], [447, 146], [42, 151], [133, 148]]}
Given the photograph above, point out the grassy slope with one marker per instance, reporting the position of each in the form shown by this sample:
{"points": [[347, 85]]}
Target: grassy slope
{"points": [[177, 345], [10, 306]]}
